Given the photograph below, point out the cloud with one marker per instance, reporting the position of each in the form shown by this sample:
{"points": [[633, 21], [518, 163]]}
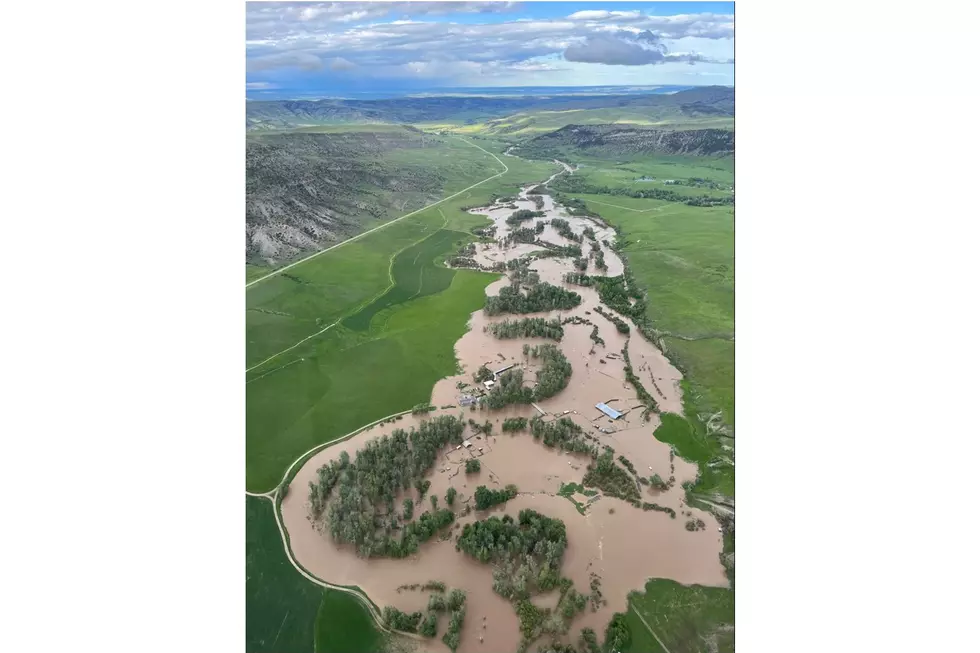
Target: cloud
{"points": [[614, 52], [260, 86], [301, 60], [421, 40], [605, 15], [339, 63]]}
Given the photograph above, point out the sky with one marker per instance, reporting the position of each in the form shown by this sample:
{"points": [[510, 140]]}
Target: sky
{"points": [[347, 49]]}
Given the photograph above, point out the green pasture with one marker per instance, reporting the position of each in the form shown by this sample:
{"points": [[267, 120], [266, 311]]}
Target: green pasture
{"points": [[286, 613], [343, 625], [687, 619], [382, 358]]}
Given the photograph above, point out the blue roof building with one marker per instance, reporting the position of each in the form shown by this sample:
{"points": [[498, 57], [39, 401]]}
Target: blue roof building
{"points": [[611, 412]]}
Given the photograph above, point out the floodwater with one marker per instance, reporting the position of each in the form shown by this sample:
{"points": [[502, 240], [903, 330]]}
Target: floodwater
{"points": [[623, 545]]}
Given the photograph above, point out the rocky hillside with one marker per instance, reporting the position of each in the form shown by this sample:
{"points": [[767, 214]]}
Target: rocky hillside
{"points": [[626, 140], [304, 191]]}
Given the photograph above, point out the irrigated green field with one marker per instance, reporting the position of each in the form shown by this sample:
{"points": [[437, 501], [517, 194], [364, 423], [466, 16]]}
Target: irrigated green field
{"points": [[285, 613]]}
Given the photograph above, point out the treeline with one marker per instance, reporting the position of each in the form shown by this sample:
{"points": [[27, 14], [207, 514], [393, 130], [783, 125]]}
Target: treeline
{"points": [[564, 229], [621, 325], [363, 513], [575, 319], [566, 251], [487, 498], [564, 434], [641, 392], [573, 184], [514, 424], [528, 327], [540, 298]]}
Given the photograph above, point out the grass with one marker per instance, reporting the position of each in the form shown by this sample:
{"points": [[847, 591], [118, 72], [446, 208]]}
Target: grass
{"points": [[343, 625], [527, 124], [568, 489], [682, 617], [254, 271], [285, 613], [381, 359]]}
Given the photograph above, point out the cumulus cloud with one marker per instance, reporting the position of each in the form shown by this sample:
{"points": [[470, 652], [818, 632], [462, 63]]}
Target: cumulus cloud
{"points": [[614, 52]]}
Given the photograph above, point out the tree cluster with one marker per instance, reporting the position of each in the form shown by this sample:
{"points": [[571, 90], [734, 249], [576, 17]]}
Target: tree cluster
{"points": [[398, 620], [456, 605], [528, 327], [564, 229], [604, 474], [535, 544], [327, 477], [618, 635], [514, 424], [525, 234], [564, 434], [519, 216], [363, 512], [621, 325], [483, 374], [487, 498], [472, 466], [655, 506], [554, 374], [539, 298]]}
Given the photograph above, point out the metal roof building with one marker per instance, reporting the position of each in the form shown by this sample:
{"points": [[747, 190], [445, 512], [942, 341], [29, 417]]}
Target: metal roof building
{"points": [[611, 412]]}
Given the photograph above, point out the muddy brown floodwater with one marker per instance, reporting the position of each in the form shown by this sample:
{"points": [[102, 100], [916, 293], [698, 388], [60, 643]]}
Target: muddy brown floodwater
{"points": [[625, 546]]}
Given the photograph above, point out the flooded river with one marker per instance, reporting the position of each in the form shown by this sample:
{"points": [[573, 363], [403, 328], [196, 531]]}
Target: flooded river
{"points": [[622, 544]]}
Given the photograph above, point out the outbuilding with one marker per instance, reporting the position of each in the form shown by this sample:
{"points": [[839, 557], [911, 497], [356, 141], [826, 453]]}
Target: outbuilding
{"points": [[611, 412]]}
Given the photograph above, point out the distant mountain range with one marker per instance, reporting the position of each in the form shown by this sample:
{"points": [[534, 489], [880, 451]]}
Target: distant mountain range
{"points": [[470, 109]]}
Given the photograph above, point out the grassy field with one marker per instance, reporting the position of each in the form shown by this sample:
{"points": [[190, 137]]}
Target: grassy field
{"points": [[254, 272], [531, 123], [682, 618], [383, 357], [280, 605], [285, 613], [343, 625]]}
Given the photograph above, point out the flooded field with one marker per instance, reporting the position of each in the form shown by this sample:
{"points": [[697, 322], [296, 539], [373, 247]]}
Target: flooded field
{"points": [[621, 544]]}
